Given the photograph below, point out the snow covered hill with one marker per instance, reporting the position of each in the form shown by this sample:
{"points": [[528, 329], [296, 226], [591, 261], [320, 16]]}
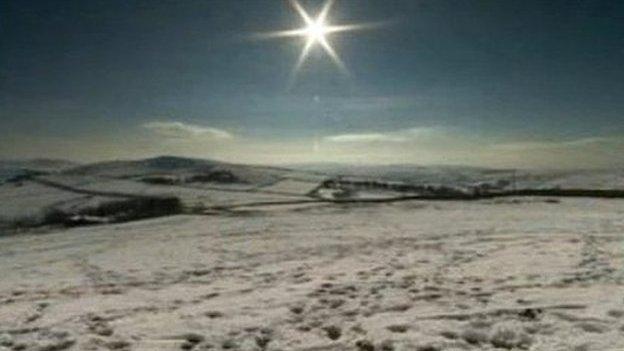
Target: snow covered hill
{"points": [[34, 190]]}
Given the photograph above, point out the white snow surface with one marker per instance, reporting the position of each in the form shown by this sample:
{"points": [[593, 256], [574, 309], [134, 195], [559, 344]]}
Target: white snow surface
{"points": [[266, 267], [517, 274]]}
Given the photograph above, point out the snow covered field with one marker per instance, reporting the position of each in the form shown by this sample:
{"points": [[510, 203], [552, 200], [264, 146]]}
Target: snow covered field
{"points": [[262, 259], [518, 273]]}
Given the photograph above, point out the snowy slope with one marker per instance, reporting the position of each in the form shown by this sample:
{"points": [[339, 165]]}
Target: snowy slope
{"points": [[407, 276]]}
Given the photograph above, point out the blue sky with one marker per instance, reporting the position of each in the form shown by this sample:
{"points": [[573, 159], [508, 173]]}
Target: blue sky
{"points": [[467, 74]]}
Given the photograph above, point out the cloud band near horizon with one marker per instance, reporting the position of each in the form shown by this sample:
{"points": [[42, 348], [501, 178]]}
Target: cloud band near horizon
{"points": [[418, 145]]}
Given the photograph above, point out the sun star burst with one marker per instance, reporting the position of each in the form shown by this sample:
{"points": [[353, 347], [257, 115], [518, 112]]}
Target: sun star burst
{"points": [[315, 31]]}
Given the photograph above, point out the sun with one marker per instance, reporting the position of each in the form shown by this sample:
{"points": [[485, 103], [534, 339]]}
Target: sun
{"points": [[316, 32]]}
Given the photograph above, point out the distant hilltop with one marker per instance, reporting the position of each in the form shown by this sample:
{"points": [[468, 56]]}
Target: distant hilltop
{"points": [[175, 166]]}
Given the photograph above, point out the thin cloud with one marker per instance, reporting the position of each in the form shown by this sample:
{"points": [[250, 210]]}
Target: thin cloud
{"points": [[363, 138], [562, 144], [175, 129], [406, 135]]}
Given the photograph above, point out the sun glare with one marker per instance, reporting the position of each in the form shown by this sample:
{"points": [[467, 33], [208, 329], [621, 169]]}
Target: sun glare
{"points": [[316, 31]]}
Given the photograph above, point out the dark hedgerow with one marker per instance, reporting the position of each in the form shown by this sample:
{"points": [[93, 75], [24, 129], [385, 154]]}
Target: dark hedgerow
{"points": [[136, 208], [107, 212]]}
